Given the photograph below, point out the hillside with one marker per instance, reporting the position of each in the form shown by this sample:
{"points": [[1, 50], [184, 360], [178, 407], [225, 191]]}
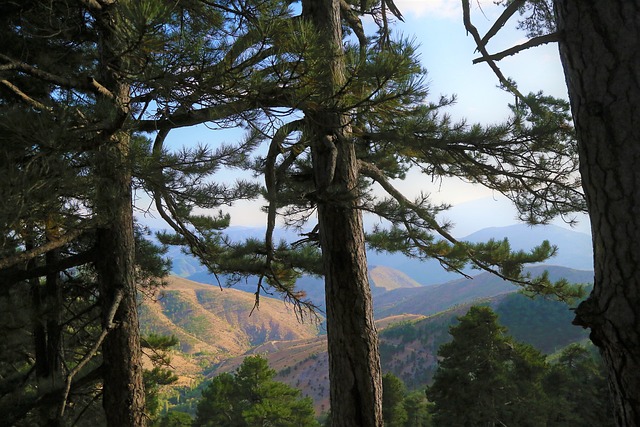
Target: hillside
{"points": [[429, 300], [387, 279], [409, 344], [303, 364], [214, 324]]}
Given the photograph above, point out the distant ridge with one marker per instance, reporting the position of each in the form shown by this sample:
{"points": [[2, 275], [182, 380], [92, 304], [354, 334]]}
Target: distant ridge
{"points": [[428, 300], [574, 251]]}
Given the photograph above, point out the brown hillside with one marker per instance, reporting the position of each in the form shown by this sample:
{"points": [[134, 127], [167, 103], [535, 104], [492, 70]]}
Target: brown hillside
{"points": [[214, 324], [304, 364], [389, 279]]}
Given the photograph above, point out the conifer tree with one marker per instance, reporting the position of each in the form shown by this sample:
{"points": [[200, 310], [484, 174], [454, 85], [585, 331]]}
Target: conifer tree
{"points": [[485, 378], [597, 43], [577, 390], [250, 397], [393, 395], [357, 117]]}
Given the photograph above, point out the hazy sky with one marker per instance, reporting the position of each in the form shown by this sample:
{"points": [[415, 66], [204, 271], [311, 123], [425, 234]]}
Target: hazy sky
{"points": [[447, 52]]}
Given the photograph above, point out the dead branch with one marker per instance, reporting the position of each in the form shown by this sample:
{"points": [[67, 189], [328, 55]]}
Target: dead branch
{"points": [[536, 41], [108, 327]]}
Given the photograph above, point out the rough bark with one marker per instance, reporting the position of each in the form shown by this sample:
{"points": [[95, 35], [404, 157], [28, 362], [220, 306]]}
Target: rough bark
{"points": [[123, 390], [354, 363], [600, 52]]}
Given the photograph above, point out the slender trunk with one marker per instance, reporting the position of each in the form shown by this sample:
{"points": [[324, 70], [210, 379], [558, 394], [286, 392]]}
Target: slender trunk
{"points": [[354, 363], [600, 52], [123, 390]]}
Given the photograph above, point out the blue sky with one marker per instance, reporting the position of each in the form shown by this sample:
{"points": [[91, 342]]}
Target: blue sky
{"points": [[447, 52]]}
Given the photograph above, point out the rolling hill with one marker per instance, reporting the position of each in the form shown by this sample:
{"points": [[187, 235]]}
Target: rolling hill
{"points": [[409, 343], [214, 324], [428, 300]]}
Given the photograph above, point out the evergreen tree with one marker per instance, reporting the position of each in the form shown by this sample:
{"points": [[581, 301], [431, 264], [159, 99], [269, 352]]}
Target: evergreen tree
{"points": [[577, 389], [485, 378], [597, 41], [175, 419], [393, 397], [103, 76], [417, 408], [250, 397]]}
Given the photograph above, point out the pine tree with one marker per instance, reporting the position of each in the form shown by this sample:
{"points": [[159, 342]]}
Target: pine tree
{"points": [[597, 43], [250, 397], [577, 389], [485, 378], [393, 396]]}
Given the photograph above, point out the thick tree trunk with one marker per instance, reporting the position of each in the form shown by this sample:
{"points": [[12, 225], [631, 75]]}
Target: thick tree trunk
{"points": [[600, 52], [354, 363], [123, 390]]}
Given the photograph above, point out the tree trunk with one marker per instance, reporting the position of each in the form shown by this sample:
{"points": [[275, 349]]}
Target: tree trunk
{"points": [[354, 362], [600, 52], [123, 390]]}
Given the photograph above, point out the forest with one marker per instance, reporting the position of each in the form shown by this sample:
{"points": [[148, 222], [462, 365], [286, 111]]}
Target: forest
{"points": [[335, 109]]}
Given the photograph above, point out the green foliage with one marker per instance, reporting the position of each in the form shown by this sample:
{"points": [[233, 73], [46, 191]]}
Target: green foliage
{"points": [[417, 409], [175, 419], [484, 377], [157, 349], [394, 413], [577, 388], [543, 323], [250, 397]]}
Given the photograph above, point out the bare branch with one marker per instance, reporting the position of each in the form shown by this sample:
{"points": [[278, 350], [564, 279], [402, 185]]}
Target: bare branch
{"points": [[26, 98], [502, 19], [108, 327], [466, 16], [42, 249], [536, 41]]}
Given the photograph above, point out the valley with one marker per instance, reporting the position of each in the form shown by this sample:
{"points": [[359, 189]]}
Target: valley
{"points": [[217, 327]]}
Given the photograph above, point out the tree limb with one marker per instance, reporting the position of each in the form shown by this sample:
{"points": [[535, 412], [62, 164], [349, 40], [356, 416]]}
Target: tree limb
{"points": [[466, 17], [371, 171], [536, 41], [42, 249], [108, 327], [88, 83], [14, 274], [502, 19], [23, 96]]}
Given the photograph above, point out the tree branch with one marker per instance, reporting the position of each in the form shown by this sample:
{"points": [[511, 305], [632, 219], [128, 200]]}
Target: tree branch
{"points": [[14, 274], [42, 249], [108, 327], [536, 41], [371, 171], [87, 84], [466, 17], [502, 19], [23, 96]]}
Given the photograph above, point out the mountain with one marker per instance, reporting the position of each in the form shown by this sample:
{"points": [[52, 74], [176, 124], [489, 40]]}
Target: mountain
{"points": [[428, 300], [574, 251], [387, 279], [574, 248], [303, 364], [213, 324], [409, 343]]}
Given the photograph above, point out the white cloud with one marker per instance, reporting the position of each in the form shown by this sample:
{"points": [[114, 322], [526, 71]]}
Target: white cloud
{"points": [[449, 9]]}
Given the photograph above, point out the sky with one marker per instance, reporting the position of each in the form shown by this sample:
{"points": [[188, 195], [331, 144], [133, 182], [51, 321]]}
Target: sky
{"points": [[446, 51]]}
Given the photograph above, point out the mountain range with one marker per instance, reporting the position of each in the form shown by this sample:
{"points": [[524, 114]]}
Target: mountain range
{"points": [[217, 327]]}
